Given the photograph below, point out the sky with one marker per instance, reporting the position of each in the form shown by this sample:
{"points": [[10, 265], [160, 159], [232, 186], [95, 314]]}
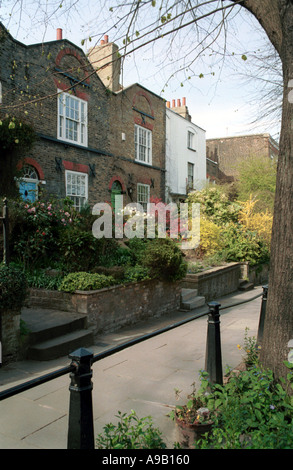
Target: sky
{"points": [[221, 102]]}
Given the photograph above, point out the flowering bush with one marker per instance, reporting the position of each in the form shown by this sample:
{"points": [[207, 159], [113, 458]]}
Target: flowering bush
{"points": [[210, 238], [259, 222], [37, 228]]}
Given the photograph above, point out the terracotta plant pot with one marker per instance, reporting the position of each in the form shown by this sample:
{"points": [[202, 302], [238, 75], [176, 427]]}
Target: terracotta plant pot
{"points": [[188, 433]]}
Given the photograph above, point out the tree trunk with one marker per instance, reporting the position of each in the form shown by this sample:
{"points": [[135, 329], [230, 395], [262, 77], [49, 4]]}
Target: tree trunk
{"points": [[276, 17], [278, 328]]}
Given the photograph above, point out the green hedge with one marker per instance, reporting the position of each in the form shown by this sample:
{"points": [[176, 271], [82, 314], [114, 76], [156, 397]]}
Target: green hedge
{"points": [[13, 287]]}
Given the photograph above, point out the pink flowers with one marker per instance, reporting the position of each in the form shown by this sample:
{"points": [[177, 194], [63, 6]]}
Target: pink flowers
{"points": [[47, 213]]}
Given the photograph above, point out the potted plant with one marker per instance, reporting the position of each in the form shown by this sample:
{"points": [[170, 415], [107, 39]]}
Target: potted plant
{"points": [[193, 420]]}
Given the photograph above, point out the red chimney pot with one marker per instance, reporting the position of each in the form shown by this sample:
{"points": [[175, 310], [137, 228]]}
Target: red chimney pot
{"points": [[59, 34]]}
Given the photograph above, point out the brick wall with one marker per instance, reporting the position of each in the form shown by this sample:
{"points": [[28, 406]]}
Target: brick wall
{"points": [[112, 308]]}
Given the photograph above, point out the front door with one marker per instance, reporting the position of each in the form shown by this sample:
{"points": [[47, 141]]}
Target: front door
{"points": [[28, 190], [116, 190]]}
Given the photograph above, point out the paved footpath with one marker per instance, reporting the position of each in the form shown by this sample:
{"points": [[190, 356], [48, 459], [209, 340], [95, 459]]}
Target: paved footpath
{"points": [[142, 377]]}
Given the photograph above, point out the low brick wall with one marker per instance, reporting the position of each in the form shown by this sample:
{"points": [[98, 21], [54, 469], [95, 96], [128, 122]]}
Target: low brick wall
{"points": [[10, 334], [215, 282], [112, 308]]}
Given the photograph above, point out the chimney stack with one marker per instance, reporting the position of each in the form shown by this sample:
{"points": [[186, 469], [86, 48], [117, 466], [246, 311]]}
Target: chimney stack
{"points": [[105, 60], [59, 34], [180, 108]]}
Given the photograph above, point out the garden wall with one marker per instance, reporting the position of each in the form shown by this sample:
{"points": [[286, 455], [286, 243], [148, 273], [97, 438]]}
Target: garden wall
{"points": [[111, 308], [256, 274], [215, 282]]}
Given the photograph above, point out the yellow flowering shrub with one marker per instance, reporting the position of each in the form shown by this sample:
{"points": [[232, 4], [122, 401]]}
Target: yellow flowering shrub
{"points": [[210, 237], [259, 222]]}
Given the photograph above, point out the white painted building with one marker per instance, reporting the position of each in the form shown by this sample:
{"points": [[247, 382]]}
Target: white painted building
{"points": [[185, 153]]}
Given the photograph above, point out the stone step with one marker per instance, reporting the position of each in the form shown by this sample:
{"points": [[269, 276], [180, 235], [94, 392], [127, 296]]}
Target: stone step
{"points": [[187, 294], [54, 333], [245, 285], [196, 302], [44, 324], [61, 345]]}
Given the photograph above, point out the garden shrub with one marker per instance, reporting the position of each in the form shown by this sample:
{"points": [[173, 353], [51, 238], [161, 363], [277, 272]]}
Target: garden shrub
{"points": [[210, 238], [118, 272], [13, 287], [136, 273], [36, 230], [244, 245], [40, 279], [259, 222], [137, 247], [80, 250], [164, 259], [131, 432], [85, 281], [215, 205], [252, 411]]}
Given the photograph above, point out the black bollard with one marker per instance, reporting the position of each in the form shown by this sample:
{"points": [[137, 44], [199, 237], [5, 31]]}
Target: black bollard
{"points": [[80, 423], [213, 362], [262, 315]]}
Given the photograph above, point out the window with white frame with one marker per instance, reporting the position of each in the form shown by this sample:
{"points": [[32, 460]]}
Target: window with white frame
{"points": [[143, 144], [76, 188], [190, 171], [143, 195], [190, 140], [72, 119]]}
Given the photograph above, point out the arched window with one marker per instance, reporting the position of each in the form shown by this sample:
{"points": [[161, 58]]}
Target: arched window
{"points": [[28, 183]]}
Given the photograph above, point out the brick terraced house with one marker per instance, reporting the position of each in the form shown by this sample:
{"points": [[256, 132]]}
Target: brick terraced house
{"points": [[94, 138]]}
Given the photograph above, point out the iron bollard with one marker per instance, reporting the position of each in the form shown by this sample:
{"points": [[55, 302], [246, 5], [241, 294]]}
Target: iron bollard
{"points": [[80, 423], [213, 362], [262, 315]]}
